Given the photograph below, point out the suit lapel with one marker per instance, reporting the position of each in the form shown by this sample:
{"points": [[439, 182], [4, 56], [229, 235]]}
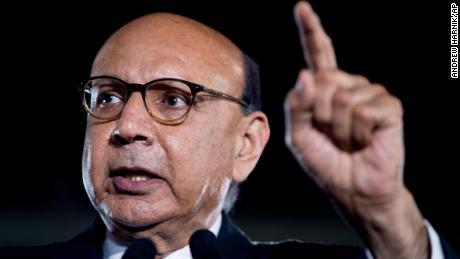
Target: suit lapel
{"points": [[87, 245], [233, 243]]}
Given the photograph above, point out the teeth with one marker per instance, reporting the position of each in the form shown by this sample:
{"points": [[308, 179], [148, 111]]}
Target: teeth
{"points": [[137, 178]]}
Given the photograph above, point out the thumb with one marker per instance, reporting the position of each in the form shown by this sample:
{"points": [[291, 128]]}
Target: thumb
{"points": [[298, 105], [299, 101], [308, 145]]}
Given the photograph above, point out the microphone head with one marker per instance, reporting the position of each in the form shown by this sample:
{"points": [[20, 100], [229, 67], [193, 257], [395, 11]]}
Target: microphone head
{"points": [[203, 245], [140, 249]]}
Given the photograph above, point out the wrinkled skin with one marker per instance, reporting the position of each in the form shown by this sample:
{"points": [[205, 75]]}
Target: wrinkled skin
{"points": [[347, 133], [194, 161]]}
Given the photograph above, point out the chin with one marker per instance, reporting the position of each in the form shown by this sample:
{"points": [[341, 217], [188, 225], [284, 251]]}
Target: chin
{"points": [[134, 212]]}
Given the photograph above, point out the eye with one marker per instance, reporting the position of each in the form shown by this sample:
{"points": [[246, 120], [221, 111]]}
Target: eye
{"points": [[168, 96], [176, 100], [108, 98]]}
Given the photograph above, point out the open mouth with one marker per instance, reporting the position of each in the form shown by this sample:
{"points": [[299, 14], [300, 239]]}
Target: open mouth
{"points": [[133, 175], [134, 181]]}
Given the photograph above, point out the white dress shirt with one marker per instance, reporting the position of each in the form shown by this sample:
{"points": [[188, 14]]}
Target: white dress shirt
{"points": [[114, 248]]}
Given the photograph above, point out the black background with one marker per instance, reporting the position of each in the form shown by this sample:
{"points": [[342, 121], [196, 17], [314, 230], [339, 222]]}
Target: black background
{"points": [[48, 48]]}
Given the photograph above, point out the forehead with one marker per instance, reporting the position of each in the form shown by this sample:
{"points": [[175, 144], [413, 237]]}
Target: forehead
{"points": [[166, 45]]}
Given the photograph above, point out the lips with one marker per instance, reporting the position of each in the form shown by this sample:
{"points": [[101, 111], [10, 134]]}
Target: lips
{"points": [[134, 181]]}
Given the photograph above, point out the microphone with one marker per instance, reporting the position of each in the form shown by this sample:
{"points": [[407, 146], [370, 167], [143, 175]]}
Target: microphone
{"points": [[140, 249], [203, 245]]}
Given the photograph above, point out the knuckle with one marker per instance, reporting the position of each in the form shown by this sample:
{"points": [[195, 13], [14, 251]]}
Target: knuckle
{"points": [[342, 98], [379, 87], [391, 101], [397, 104], [362, 79], [323, 76], [363, 114], [378, 92], [325, 91]]}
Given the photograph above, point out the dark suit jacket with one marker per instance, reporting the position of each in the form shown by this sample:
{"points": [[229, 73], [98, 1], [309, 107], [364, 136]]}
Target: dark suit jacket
{"points": [[233, 245]]}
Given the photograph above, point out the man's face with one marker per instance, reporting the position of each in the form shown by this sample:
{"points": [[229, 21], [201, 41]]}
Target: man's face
{"points": [[138, 172]]}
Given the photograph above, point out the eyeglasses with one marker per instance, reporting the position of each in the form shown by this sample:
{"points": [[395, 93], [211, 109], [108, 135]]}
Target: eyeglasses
{"points": [[168, 100]]}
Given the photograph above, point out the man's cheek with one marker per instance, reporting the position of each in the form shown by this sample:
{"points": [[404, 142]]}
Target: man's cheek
{"points": [[99, 131], [93, 165], [173, 142]]}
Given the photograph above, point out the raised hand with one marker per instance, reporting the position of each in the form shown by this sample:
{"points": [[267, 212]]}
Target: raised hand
{"points": [[347, 133]]}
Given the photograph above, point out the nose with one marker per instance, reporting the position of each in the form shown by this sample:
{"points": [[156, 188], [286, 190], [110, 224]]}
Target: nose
{"points": [[134, 124]]}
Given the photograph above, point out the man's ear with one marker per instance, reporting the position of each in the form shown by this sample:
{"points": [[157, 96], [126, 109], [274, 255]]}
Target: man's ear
{"points": [[252, 138]]}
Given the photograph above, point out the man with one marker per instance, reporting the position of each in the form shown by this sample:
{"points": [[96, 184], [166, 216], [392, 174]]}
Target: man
{"points": [[162, 152]]}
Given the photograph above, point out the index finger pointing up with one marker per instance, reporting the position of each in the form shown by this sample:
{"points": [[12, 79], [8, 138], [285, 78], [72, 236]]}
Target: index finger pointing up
{"points": [[316, 44]]}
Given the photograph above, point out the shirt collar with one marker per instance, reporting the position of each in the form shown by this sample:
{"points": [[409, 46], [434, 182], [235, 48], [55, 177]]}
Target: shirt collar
{"points": [[114, 248]]}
